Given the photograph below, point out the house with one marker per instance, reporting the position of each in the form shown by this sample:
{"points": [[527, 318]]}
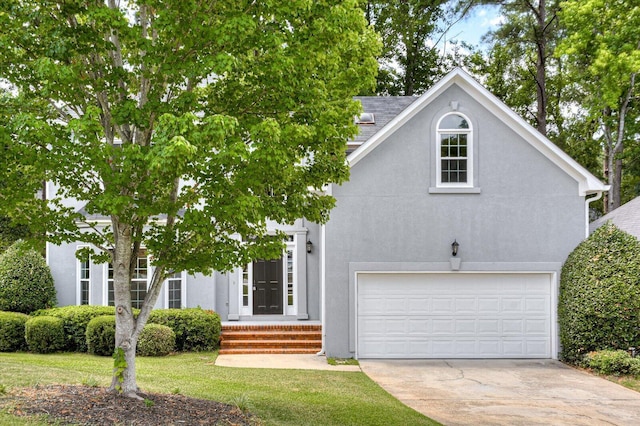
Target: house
{"points": [[447, 242], [626, 217]]}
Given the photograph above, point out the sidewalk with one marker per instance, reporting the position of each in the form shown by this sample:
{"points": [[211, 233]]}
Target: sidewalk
{"points": [[293, 362]]}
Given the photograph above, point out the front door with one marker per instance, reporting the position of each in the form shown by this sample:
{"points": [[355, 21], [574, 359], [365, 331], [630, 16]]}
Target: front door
{"points": [[267, 287]]}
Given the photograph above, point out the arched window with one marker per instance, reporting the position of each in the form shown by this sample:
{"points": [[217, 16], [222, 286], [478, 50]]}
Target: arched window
{"points": [[454, 151]]}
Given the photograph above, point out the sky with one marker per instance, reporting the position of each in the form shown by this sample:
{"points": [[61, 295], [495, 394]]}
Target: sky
{"points": [[478, 22]]}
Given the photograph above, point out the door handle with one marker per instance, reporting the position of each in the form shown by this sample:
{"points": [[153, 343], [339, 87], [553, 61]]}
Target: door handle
{"points": [[254, 288]]}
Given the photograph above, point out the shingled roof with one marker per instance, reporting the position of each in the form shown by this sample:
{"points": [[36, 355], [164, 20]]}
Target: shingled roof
{"points": [[626, 217], [384, 109]]}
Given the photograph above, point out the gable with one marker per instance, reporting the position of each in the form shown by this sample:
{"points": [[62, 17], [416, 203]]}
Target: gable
{"points": [[587, 183]]}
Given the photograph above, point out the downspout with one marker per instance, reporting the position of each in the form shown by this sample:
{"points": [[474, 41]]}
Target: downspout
{"points": [[323, 309], [323, 279], [586, 211]]}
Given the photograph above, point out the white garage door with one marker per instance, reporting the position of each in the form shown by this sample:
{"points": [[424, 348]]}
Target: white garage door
{"points": [[458, 315]]}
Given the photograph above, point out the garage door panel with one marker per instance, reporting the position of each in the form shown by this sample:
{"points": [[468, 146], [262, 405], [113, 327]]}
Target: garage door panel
{"points": [[454, 315]]}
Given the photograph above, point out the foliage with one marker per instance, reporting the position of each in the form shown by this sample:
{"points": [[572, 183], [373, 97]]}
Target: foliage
{"points": [[415, 50], [195, 328], [518, 68], [603, 57], [75, 320], [599, 302], [156, 340], [12, 331], [44, 334], [119, 366], [613, 363], [215, 117], [101, 335], [26, 283], [10, 232]]}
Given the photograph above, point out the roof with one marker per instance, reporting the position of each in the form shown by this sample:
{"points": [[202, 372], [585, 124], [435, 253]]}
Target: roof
{"points": [[626, 217], [384, 109], [587, 183]]}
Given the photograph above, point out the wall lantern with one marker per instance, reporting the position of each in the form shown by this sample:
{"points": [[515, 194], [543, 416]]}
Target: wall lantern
{"points": [[454, 247], [309, 246]]}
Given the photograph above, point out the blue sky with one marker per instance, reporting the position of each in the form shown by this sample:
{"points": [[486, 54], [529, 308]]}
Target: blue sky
{"points": [[478, 22]]}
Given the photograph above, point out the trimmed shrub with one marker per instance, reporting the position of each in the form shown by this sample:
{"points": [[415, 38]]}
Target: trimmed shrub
{"points": [[101, 335], [613, 363], [156, 340], [599, 302], [12, 331], [26, 284], [195, 328], [44, 334], [75, 320]]}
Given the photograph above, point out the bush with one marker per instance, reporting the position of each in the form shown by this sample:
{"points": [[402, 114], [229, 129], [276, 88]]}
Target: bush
{"points": [[156, 340], [613, 363], [26, 283], [101, 335], [44, 334], [195, 328], [75, 320], [599, 302], [12, 331]]}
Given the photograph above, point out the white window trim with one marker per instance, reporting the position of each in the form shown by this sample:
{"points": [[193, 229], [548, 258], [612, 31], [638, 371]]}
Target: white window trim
{"points": [[79, 277], [469, 132], [183, 290]]}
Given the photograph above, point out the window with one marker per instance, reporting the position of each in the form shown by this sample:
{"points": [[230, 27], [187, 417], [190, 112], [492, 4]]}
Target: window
{"points": [[138, 282], [454, 151], [174, 290], [84, 280]]}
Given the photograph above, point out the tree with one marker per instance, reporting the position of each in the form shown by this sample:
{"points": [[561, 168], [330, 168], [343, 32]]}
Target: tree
{"points": [[519, 55], [410, 62], [603, 46], [189, 124]]}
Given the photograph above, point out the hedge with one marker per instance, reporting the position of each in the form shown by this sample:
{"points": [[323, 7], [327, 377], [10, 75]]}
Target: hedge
{"points": [[195, 328], [44, 334], [75, 320], [12, 331], [101, 335], [599, 302], [156, 340], [26, 284]]}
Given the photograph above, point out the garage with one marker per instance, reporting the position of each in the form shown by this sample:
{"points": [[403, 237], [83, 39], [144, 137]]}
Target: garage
{"points": [[453, 315]]}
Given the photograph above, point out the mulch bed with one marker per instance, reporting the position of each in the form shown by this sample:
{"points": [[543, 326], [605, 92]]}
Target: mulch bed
{"points": [[85, 405]]}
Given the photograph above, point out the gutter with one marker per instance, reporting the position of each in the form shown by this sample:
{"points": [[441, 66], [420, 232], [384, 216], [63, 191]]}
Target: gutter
{"points": [[586, 210]]}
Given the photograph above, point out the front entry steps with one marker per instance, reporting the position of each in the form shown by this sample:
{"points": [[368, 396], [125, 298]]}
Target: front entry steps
{"points": [[270, 339]]}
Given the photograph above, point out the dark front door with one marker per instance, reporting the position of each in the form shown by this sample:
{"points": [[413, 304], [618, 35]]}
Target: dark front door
{"points": [[267, 287]]}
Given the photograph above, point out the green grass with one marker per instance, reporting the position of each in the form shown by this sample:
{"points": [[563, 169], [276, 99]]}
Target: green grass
{"points": [[277, 397]]}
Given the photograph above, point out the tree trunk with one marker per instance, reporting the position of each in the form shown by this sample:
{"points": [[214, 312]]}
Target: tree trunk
{"points": [[124, 381], [541, 67]]}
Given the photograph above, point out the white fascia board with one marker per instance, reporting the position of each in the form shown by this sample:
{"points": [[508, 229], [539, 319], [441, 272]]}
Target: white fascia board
{"points": [[587, 182]]}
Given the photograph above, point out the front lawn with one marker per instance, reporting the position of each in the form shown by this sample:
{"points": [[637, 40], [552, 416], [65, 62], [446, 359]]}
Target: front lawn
{"points": [[276, 397]]}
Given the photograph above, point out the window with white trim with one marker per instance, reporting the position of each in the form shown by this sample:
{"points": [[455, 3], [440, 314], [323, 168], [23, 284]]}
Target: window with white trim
{"points": [[174, 290], [454, 151], [139, 281], [84, 279]]}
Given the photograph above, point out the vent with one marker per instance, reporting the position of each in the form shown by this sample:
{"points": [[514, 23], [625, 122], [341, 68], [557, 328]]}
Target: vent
{"points": [[366, 118]]}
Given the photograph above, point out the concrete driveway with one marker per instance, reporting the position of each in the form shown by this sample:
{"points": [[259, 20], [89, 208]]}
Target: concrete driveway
{"points": [[505, 392]]}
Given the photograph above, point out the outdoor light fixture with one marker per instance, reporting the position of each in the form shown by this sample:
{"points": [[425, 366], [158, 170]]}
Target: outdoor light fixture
{"points": [[309, 246], [454, 247]]}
